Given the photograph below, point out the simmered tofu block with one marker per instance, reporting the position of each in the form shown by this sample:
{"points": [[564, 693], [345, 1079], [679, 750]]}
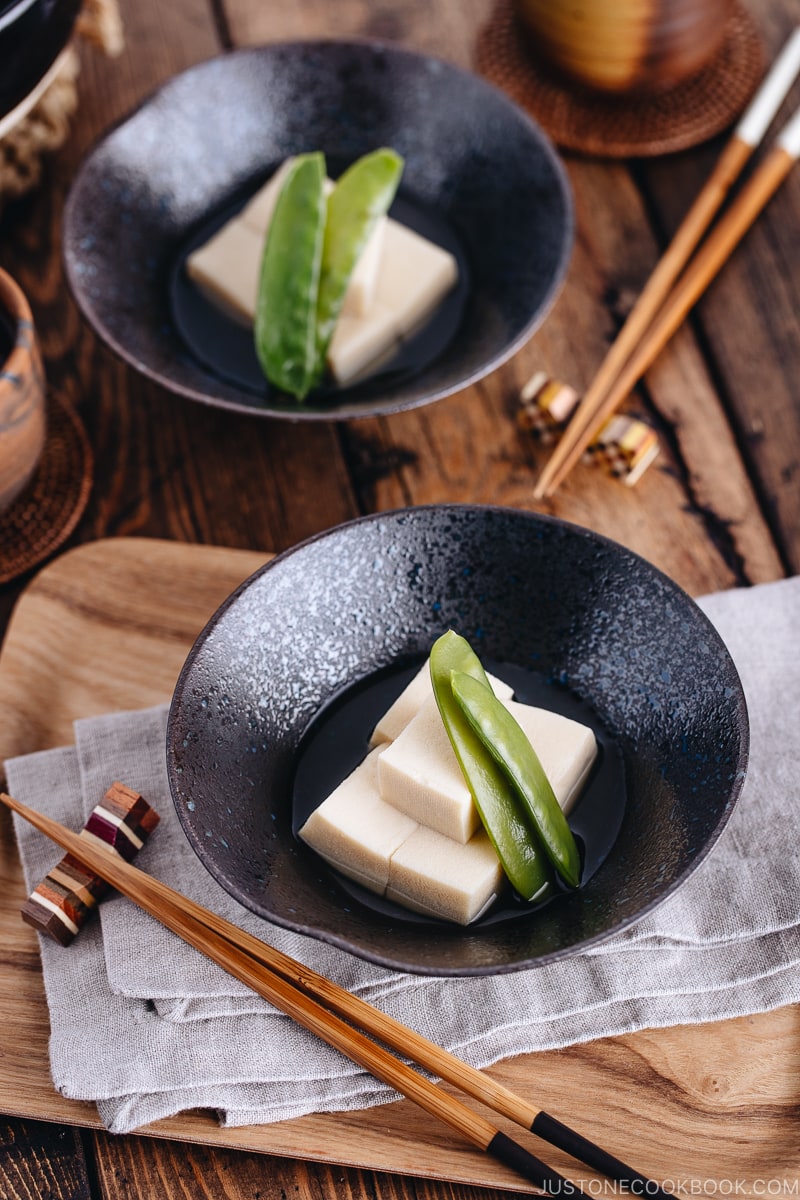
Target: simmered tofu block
{"points": [[419, 773], [357, 832], [414, 276], [257, 213], [411, 700], [228, 267], [566, 749], [388, 853], [431, 874], [361, 344]]}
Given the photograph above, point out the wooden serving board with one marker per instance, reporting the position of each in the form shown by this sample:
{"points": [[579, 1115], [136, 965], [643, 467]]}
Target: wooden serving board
{"points": [[107, 626]]}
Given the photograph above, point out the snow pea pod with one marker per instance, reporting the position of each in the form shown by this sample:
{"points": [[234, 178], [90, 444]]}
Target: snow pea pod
{"points": [[509, 747], [362, 195], [498, 805], [286, 309]]}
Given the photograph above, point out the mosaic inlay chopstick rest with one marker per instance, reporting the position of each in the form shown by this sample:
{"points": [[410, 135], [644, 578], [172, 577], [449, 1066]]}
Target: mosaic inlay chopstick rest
{"points": [[60, 904], [625, 446], [546, 406]]}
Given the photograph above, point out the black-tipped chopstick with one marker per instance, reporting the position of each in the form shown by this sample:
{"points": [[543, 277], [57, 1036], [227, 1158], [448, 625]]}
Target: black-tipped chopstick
{"points": [[318, 1004]]}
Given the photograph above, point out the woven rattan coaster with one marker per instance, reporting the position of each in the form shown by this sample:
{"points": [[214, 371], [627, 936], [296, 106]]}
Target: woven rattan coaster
{"points": [[616, 126], [46, 512]]}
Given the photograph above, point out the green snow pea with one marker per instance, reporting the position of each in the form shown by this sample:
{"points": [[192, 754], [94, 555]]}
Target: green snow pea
{"points": [[286, 309], [496, 800], [508, 745], [361, 196]]}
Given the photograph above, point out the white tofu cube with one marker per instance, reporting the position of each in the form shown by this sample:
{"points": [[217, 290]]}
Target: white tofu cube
{"points": [[360, 297], [227, 269], [418, 773], [415, 276], [356, 831], [411, 700], [565, 748], [258, 211], [359, 343], [430, 874]]}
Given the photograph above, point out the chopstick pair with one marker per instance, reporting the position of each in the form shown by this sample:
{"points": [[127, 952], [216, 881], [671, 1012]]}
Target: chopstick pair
{"points": [[344, 1021], [668, 296]]}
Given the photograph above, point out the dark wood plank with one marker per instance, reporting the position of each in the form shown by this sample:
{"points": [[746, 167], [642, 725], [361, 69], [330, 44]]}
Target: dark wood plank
{"points": [[172, 469], [447, 31], [164, 466], [139, 1170], [695, 514], [747, 321], [38, 1159]]}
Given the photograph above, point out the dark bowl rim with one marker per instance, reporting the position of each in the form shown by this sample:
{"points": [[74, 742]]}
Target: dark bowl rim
{"points": [[44, 61], [382, 960], [94, 318]]}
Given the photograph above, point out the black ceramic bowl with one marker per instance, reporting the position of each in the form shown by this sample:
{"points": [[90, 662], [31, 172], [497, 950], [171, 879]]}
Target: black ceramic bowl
{"points": [[585, 621], [479, 177], [32, 35]]}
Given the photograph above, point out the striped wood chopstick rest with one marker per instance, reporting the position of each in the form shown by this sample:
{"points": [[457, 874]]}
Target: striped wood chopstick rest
{"points": [[59, 906]]}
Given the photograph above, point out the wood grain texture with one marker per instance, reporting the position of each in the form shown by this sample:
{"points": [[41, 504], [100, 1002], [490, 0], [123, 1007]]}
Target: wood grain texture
{"points": [[164, 466], [38, 1159], [719, 508], [467, 448], [728, 1092], [747, 322]]}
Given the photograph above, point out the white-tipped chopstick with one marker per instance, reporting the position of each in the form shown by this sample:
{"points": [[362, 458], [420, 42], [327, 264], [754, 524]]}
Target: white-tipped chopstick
{"points": [[748, 134], [339, 1018]]}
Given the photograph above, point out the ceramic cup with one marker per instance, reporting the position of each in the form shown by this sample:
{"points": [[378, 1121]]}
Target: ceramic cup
{"points": [[626, 46], [22, 393]]}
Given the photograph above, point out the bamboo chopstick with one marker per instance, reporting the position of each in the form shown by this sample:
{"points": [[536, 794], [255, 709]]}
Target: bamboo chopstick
{"points": [[708, 261], [301, 993], [747, 135]]}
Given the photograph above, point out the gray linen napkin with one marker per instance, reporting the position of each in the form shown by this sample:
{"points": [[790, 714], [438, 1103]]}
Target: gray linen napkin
{"points": [[726, 944]]}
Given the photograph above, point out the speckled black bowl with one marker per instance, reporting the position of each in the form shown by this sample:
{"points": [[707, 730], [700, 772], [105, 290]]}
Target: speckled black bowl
{"points": [[474, 162], [584, 613]]}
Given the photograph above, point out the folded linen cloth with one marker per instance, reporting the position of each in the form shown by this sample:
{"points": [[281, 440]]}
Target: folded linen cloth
{"points": [[147, 1027]]}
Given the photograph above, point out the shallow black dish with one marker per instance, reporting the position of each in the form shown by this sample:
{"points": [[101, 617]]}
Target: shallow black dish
{"points": [[203, 143], [582, 612], [32, 35]]}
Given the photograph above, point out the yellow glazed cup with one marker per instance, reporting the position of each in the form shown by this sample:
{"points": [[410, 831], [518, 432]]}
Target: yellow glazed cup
{"points": [[622, 46], [22, 393]]}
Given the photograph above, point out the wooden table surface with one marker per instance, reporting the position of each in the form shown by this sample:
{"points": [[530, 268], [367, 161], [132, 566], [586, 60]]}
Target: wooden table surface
{"points": [[718, 510]]}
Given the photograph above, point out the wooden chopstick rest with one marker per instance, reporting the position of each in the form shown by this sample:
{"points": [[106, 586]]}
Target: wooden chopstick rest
{"points": [[60, 904], [625, 446]]}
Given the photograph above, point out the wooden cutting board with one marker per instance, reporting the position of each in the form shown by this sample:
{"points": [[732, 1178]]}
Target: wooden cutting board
{"points": [[712, 1109]]}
